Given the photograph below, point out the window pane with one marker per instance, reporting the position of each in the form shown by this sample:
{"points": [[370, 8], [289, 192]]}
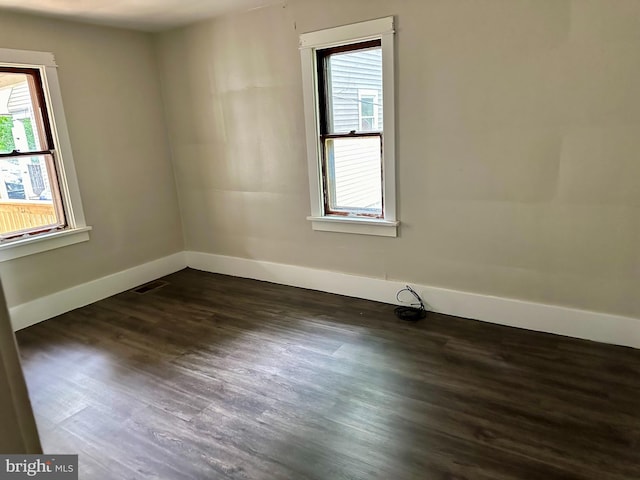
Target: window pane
{"points": [[366, 105], [354, 175], [349, 74], [20, 125], [27, 194], [367, 124]]}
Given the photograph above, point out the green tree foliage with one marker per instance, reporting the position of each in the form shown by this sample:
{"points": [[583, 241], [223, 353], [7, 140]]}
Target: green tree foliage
{"points": [[28, 128], [6, 137]]}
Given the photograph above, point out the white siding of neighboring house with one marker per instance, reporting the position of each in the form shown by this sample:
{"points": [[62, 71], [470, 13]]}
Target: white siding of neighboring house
{"points": [[19, 103], [5, 93], [357, 175]]}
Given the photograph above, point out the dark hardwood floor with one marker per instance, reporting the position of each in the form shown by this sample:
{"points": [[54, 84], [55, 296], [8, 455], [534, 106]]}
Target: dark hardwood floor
{"points": [[214, 377]]}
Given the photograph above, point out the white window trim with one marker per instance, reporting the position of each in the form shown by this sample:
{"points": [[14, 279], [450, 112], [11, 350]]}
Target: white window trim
{"points": [[77, 230], [382, 29]]}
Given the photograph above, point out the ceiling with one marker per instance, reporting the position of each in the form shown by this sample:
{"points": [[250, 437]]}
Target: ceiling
{"points": [[148, 15]]}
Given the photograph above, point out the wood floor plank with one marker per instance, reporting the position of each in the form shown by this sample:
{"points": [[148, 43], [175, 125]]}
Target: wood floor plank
{"points": [[216, 377]]}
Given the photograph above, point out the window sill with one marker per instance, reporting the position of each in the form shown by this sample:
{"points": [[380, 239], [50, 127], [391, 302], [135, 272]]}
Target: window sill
{"points": [[21, 247], [362, 226]]}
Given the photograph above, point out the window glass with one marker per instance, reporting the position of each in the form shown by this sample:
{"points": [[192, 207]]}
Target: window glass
{"points": [[354, 175], [351, 89], [29, 196], [22, 126], [366, 106], [348, 74]]}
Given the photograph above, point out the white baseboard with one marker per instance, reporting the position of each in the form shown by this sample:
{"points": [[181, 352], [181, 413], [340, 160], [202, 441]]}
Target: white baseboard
{"points": [[600, 327], [35, 311]]}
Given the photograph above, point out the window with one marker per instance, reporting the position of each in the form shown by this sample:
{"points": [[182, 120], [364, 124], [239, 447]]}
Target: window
{"points": [[29, 195], [350, 140], [40, 205], [349, 113], [369, 109]]}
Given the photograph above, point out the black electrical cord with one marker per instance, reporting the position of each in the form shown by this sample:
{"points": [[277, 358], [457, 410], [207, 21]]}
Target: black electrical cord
{"points": [[413, 312]]}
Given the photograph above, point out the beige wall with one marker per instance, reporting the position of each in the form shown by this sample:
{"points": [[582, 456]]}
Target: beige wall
{"points": [[114, 113], [518, 145]]}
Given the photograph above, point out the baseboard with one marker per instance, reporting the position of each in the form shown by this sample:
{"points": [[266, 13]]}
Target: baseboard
{"points": [[600, 327], [30, 313]]}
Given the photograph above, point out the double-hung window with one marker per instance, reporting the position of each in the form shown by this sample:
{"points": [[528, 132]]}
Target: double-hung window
{"points": [[348, 83], [29, 194], [40, 205]]}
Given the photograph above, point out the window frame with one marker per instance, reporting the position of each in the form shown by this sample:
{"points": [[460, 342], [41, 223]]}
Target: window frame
{"points": [[75, 229], [311, 46]]}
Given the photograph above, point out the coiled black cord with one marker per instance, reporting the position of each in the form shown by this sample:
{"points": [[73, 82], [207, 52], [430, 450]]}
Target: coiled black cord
{"points": [[413, 312]]}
